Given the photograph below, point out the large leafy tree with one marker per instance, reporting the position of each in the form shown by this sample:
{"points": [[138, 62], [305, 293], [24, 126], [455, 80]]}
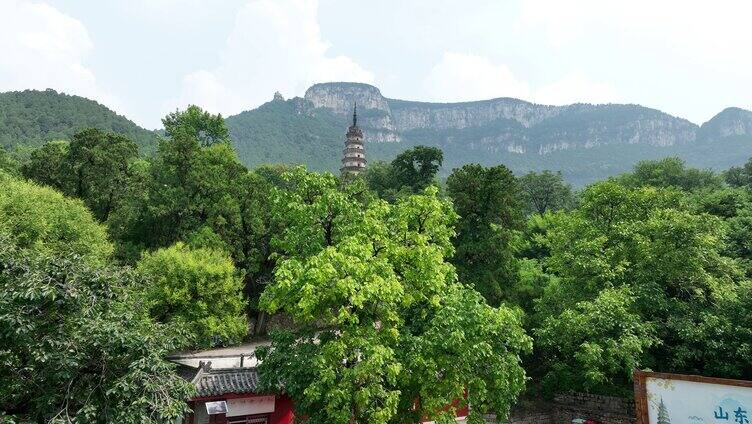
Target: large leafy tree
{"points": [[8, 163], [47, 165], [188, 187], [93, 166], [196, 123], [98, 164], [670, 172], [488, 201], [380, 324], [199, 193], [739, 176], [650, 242], [595, 345], [196, 287], [417, 167], [410, 172], [545, 191], [77, 345], [40, 218]]}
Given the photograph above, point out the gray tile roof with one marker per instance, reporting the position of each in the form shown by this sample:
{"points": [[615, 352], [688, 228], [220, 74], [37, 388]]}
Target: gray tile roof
{"points": [[218, 382]]}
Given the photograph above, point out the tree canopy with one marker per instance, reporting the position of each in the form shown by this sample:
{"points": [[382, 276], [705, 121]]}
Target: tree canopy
{"points": [[40, 218], [373, 300], [410, 172], [196, 123], [546, 191], [401, 301], [489, 203], [198, 288]]}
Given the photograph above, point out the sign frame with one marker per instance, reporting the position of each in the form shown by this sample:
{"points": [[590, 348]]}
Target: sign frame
{"points": [[641, 393], [216, 408]]}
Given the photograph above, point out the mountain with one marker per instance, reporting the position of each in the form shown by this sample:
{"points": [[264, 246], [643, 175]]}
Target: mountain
{"points": [[731, 122], [586, 142], [31, 118]]}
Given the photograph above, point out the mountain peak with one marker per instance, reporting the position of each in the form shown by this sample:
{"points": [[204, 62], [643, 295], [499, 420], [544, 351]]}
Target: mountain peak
{"points": [[732, 121], [341, 96]]}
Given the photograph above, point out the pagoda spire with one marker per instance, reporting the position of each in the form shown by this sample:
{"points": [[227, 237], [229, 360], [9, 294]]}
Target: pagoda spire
{"points": [[354, 154]]}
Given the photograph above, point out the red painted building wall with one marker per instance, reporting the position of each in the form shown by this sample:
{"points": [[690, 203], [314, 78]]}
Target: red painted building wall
{"points": [[283, 409]]}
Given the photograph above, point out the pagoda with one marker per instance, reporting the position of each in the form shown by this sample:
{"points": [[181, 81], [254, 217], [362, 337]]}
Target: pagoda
{"points": [[353, 155]]}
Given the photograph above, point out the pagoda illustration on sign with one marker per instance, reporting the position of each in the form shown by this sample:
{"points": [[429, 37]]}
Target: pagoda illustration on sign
{"points": [[354, 154], [663, 417]]}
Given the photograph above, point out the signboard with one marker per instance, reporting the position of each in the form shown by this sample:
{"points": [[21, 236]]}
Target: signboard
{"points": [[662, 398], [250, 406], [214, 408]]}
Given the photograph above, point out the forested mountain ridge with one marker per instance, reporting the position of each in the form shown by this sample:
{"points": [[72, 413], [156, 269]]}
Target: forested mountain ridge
{"points": [[586, 142], [32, 117]]}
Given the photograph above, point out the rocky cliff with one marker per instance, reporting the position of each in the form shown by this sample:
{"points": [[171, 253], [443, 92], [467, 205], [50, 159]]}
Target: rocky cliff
{"points": [[584, 141], [730, 122], [516, 126]]}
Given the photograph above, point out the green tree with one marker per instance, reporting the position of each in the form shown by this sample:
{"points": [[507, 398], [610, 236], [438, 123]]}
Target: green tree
{"points": [[417, 167], [379, 320], [670, 172], [198, 124], [40, 218], [128, 224], [381, 179], [198, 288], [47, 165], [93, 167], [545, 191], [8, 163], [188, 187], [78, 346], [649, 241], [739, 176], [595, 345], [410, 172], [97, 163], [739, 238], [725, 202], [490, 209]]}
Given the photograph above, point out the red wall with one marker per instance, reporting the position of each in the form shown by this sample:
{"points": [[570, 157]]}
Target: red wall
{"points": [[283, 408], [283, 411]]}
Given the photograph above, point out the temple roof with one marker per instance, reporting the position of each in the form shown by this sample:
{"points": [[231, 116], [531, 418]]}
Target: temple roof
{"points": [[220, 371], [210, 382]]}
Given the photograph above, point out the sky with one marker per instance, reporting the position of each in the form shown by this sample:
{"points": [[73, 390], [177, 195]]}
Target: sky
{"points": [[145, 58]]}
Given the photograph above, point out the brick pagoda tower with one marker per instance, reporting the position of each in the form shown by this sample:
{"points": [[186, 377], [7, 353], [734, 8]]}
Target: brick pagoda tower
{"points": [[354, 155]]}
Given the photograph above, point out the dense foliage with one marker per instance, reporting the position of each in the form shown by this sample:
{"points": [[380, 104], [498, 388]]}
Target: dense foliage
{"points": [[380, 320], [403, 299], [546, 191], [39, 218], [410, 172], [76, 340], [94, 167], [30, 118], [489, 203], [198, 288]]}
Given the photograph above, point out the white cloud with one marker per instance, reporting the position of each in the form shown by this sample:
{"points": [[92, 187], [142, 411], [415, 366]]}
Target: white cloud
{"points": [[575, 87], [44, 48], [717, 32], [275, 45], [463, 77]]}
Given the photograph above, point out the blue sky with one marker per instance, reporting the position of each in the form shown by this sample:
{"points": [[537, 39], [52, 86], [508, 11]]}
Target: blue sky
{"points": [[144, 58]]}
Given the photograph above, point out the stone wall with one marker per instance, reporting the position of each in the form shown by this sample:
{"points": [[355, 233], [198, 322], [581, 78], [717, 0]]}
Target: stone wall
{"points": [[566, 407], [602, 409]]}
